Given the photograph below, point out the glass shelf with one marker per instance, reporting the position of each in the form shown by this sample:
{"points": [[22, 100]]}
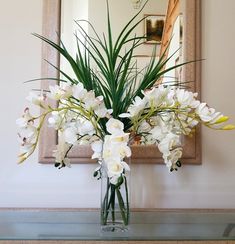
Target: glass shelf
{"points": [[145, 225]]}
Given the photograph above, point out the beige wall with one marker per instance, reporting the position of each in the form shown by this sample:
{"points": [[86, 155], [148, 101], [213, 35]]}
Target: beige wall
{"points": [[210, 185]]}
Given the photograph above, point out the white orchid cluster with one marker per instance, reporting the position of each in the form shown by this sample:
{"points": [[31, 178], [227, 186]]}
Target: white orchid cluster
{"points": [[165, 114], [160, 117], [76, 118], [27, 135], [113, 151]]}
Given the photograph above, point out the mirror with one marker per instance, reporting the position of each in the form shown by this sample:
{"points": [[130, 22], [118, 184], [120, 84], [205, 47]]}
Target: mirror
{"points": [[161, 27], [181, 19]]}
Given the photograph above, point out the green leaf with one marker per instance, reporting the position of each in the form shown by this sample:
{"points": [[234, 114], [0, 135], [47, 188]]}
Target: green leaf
{"points": [[122, 206]]}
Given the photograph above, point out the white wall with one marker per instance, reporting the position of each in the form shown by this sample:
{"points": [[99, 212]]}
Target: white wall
{"points": [[210, 185]]}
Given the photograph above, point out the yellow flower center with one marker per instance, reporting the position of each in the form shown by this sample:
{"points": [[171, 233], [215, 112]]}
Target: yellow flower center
{"points": [[116, 167]]}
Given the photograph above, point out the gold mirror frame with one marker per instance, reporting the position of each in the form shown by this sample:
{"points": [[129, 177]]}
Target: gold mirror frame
{"points": [[140, 154]]}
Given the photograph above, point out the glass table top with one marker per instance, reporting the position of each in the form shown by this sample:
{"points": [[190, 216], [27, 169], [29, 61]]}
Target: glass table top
{"points": [[145, 225]]}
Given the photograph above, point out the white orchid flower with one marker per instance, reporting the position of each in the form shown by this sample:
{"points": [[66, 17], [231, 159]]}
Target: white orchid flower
{"points": [[97, 147], [120, 138], [125, 166], [25, 120], [115, 169], [61, 150], [156, 133], [171, 159], [57, 120], [168, 143], [90, 101], [119, 151], [78, 91], [116, 146], [207, 114], [101, 111], [136, 107], [85, 140], [114, 166], [71, 134], [187, 98], [75, 130], [109, 151], [86, 128], [124, 151], [60, 92], [28, 135], [144, 127], [161, 95], [36, 99], [21, 122], [114, 126]]}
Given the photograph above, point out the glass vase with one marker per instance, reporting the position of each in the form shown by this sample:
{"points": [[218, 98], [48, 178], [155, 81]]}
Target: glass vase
{"points": [[115, 202]]}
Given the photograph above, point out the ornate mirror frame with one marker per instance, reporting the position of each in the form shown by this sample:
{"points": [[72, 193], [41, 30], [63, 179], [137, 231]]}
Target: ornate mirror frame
{"points": [[140, 154]]}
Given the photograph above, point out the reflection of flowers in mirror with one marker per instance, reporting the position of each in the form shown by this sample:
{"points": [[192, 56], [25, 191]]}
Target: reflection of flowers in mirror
{"points": [[136, 3]]}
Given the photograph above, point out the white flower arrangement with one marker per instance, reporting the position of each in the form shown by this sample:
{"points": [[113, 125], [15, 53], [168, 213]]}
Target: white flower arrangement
{"points": [[109, 108], [109, 114], [160, 117]]}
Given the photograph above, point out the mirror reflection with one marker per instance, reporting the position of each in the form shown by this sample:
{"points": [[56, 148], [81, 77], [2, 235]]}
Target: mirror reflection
{"points": [[162, 26]]}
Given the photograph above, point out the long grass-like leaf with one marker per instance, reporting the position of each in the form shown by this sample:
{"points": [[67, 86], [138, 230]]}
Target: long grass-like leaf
{"points": [[46, 79], [116, 76]]}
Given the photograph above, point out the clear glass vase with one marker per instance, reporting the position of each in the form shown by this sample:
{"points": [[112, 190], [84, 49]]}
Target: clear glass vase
{"points": [[115, 202]]}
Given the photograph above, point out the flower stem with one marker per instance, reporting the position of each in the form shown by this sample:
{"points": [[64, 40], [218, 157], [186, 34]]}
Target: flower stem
{"points": [[113, 203], [112, 192], [122, 206], [127, 201]]}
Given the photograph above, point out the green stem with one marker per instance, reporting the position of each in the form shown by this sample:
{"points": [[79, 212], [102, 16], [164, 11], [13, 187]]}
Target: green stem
{"points": [[113, 203], [108, 204], [122, 206], [127, 201], [104, 210]]}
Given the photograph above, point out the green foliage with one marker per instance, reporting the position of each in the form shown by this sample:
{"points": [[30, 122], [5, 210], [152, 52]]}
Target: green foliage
{"points": [[117, 75]]}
